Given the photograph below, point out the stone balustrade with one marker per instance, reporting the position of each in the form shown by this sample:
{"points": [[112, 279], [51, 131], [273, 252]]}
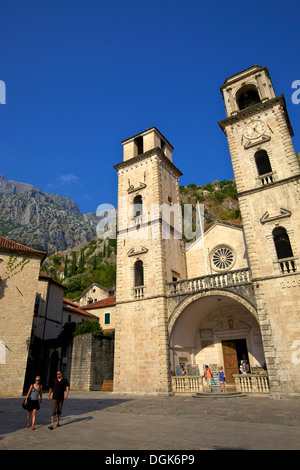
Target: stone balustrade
{"points": [[252, 383], [213, 281], [138, 292], [267, 178], [287, 265], [248, 383], [187, 384]]}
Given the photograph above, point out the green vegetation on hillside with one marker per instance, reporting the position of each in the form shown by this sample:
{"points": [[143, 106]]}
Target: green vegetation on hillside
{"points": [[77, 270]]}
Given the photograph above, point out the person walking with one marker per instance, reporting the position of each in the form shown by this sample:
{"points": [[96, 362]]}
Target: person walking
{"points": [[222, 379], [33, 400], [60, 384], [208, 377]]}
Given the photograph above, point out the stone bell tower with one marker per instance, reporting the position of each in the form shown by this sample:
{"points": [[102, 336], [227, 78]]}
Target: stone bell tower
{"points": [[149, 255], [267, 176]]}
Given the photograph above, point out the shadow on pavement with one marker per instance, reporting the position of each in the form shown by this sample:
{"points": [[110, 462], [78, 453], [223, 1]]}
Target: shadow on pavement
{"points": [[13, 417]]}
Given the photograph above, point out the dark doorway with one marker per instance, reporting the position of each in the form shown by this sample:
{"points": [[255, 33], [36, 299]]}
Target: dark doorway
{"points": [[234, 352], [242, 351]]}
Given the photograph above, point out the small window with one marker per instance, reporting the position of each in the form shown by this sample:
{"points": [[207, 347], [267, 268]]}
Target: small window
{"points": [[137, 206], [140, 145], [282, 243], [262, 162], [138, 274], [107, 318]]}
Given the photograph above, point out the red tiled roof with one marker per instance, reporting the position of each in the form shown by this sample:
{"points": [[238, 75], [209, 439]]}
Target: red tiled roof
{"points": [[108, 302], [10, 245], [71, 307]]}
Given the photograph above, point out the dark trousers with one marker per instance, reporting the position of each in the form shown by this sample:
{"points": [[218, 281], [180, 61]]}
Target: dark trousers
{"points": [[56, 407]]}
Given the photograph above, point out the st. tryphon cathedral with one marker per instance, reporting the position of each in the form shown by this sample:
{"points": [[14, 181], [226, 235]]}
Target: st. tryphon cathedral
{"points": [[231, 299]]}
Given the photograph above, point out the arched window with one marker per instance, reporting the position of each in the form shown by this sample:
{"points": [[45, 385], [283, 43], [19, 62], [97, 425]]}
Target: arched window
{"points": [[138, 273], [262, 162], [247, 97], [282, 243], [137, 206]]}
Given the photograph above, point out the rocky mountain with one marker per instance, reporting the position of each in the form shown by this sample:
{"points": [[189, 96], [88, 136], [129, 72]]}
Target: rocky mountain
{"points": [[44, 221], [54, 223], [218, 199]]}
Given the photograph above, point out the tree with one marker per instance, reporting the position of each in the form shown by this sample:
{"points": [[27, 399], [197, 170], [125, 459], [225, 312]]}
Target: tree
{"points": [[81, 262], [73, 264], [66, 266]]}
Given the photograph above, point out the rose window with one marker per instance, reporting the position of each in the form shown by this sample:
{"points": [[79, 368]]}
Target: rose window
{"points": [[222, 258]]}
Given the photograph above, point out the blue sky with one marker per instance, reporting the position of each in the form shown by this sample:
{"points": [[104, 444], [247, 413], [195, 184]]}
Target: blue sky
{"points": [[82, 75]]}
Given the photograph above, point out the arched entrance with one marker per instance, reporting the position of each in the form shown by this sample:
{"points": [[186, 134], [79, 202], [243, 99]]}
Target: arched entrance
{"points": [[218, 328]]}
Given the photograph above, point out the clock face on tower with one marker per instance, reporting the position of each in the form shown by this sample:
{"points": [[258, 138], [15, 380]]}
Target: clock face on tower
{"points": [[254, 129]]}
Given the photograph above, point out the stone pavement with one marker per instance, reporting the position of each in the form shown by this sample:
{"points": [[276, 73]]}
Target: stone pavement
{"points": [[109, 421]]}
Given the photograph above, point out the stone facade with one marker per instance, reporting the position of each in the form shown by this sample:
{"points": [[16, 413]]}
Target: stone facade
{"points": [[48, 312], [93, 294], [237, 295], [19, 271], [204, 256], [92, 362]]}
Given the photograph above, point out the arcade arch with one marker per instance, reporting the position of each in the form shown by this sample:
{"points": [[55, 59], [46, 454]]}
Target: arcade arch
{"points": [[215, 328]]}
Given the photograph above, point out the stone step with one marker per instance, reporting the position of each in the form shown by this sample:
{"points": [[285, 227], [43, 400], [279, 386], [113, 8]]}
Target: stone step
{"points": [[220, 395]]}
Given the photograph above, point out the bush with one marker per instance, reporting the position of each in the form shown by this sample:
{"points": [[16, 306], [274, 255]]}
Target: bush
{"points": [[87, 326], [208, 187]]}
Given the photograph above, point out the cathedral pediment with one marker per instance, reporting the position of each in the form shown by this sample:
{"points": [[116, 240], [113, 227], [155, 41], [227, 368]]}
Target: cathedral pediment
{"points": [[133, 252], [251, 143], [282, 215], [132, 189]]}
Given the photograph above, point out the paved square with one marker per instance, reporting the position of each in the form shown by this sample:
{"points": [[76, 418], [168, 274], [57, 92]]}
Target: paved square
{"points": [[108, 421]]}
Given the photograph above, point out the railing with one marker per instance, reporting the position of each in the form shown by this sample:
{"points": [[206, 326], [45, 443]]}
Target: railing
{"points": [[252, 383], [213, 281], [267, 178], [287, 265], [138, 292], [246, 383], [187, 384]]}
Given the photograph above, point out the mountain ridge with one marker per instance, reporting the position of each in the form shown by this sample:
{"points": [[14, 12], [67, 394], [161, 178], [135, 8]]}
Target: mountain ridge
{"points": [[48, 222]]}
